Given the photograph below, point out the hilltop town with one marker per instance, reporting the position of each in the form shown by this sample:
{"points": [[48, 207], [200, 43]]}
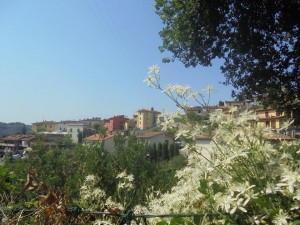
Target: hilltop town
{"points": [[144, 124]]}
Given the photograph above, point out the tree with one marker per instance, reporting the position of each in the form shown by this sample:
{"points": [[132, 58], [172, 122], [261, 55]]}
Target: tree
{"points": [[159, 151], [119, 141], [166, 151], [258, 40], [172, 150]]}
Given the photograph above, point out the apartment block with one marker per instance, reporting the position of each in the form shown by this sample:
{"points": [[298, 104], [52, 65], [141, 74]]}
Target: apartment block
{"points": [[146, 119]]}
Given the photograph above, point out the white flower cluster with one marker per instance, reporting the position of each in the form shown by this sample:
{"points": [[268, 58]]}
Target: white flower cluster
{"points": [[241, 176], [125, 181], [180, 94], [94, 198]]}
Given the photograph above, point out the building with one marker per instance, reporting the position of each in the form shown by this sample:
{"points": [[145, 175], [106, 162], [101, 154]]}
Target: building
{"points": [[205, 110], [146, 119], [270, 118], [48, 126], [75, 130], [115, 123], [16, 142], [238, 105], [155, 137], [62, 125], [109, 144]]}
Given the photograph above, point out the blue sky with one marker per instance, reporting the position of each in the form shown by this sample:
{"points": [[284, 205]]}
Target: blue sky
{"points": [[76, 59]]}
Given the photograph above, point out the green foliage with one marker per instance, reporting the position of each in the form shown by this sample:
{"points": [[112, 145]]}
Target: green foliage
{"points": [[49, 164], [257, 40], [172, 150], [166, 155], [134, 160], [153, 152], [165, 178], [119, 141], [159, 151], [67, 169], [6, 179]]}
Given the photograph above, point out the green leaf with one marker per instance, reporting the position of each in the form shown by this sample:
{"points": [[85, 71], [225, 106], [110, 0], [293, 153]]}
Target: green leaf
{"points": [[162, 223], [177, 221], [296, 222], [197, 220], [203, 186]]}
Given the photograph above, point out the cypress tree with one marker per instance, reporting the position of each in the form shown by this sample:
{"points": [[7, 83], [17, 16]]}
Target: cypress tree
{"points": [[166, 151], [159, 151], [172, 150]]}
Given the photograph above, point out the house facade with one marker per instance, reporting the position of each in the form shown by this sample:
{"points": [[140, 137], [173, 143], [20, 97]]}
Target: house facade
{"points": [[155, 137], [115, 123], [109, 144], [48, 126], [75, 130], [146, 119], [270, 118]]}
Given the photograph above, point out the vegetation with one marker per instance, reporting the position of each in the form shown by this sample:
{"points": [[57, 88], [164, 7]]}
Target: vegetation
{"points": [[258, 40], [241, 179], [56, 179]]}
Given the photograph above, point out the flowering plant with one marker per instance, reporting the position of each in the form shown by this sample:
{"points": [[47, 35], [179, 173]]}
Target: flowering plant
{"points": [[241, 175]]}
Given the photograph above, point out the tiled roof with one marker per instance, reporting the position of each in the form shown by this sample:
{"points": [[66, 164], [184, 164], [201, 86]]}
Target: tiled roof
{"points": [[150, 134], [21, 137], [97, 137]]}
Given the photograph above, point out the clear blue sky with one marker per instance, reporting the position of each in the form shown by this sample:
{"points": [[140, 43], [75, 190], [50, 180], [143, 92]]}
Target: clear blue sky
{"points": [[76, 59]]}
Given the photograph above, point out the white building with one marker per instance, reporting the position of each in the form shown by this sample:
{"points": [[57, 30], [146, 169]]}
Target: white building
{"points": [[155, 137], [74, 129]]}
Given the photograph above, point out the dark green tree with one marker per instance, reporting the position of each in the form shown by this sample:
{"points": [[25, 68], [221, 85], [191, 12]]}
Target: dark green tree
{"points": [[159, 151], [166, 155], [258, 41], [172, 150], [154, 152], [176, 149]]}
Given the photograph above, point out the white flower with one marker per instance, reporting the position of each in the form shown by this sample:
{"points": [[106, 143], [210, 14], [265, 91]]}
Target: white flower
{"points": [[90, 178], [289, 179], [130, 178], [122, 175], [297, 195], [181, 133], [181, 90], [238, 204], [209, 89], [281, 218], [150, 80], [154, 69], [272, 188], [286, 125]]}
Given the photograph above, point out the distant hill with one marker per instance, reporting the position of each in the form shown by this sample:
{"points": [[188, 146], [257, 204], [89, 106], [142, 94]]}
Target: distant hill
{"points": [[7, 129]]}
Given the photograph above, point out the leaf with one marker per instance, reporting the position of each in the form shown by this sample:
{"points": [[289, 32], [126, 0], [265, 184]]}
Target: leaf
{"points": [[197, 220], [162, 223], [177, 221], [203, 186]]}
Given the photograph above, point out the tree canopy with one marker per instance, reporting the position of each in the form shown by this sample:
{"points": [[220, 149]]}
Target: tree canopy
{"points": [[258, 40]]}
